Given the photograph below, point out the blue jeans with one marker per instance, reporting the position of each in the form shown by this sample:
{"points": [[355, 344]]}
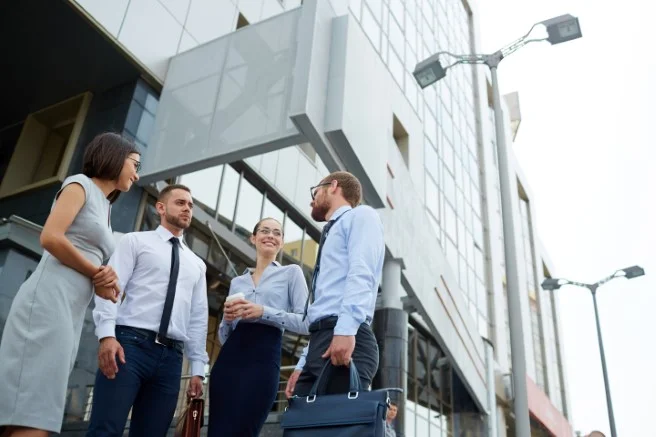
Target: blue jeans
{"points": [[148, 382]]}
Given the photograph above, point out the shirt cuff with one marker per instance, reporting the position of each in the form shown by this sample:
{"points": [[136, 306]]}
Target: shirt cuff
{"points": [[300, 364], [268, 313], [106, 329], [346, 325], [197, 368]]}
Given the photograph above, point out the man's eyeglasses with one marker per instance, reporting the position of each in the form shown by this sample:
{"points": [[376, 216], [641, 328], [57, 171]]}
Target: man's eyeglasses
{"points": [[313, 190], [137, 164], [267, 231]]}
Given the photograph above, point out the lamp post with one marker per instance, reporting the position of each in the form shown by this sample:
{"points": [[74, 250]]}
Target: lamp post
{"points": [[559, 29], [628, 273]]}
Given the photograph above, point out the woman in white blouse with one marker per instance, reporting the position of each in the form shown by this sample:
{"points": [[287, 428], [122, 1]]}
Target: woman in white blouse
{"points": [[246, 374]]}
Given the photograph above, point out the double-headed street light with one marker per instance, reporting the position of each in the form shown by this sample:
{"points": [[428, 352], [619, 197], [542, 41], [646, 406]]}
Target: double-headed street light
{"points": [[559, 29], [628, 273]]}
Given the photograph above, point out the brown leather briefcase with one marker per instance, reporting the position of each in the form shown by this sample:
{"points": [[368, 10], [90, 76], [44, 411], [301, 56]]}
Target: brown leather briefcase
{"points": [[191, 420]]}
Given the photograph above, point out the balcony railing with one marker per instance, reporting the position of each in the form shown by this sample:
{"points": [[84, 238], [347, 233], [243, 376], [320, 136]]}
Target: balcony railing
{"points": [[278, 405]]}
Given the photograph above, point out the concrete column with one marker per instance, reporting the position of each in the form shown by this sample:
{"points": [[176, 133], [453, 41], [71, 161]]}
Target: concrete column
{"points": [[390, 325]]}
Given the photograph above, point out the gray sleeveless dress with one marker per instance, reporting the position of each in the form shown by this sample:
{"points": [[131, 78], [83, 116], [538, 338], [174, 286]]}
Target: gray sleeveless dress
{"points": [[42, 334]]}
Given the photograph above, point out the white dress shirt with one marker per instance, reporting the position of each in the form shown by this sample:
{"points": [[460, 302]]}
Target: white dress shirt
{"points": [[142, 261], [282, 292]]}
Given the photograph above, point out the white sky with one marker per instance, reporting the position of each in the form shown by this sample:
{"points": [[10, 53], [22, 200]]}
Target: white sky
{"points": [[587, 148]]}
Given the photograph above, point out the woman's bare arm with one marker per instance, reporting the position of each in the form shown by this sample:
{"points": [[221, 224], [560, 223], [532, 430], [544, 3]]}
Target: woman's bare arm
{"points": [[53, 238]]}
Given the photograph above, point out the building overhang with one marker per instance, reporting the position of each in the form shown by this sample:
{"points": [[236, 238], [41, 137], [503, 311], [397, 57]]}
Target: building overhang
{"points": [[21, 234]]}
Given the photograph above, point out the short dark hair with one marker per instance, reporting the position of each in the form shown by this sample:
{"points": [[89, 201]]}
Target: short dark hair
{"points": [[350, 185], [167, 190], [257, 225], [105, 156], [393, 404]]}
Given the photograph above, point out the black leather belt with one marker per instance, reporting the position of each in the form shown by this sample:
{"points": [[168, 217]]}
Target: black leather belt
{"points": [[151, 335], [328, 323]]}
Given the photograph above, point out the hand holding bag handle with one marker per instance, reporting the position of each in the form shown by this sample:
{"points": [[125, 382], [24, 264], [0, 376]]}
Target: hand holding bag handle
{"points": [[319, 386]]}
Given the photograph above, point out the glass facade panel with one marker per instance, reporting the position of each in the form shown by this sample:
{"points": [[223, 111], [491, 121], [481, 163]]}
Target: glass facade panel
{"points": [[271, 210], [293, 243], [249, 209], [228, 195], [432, 199], [204, 186]]}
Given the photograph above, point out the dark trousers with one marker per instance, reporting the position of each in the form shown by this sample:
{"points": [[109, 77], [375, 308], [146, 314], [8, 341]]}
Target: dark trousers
{"points": [[365, 357], [148, 382]]}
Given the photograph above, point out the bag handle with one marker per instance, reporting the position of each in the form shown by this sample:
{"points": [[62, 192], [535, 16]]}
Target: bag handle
{"points": [[327, 372]]}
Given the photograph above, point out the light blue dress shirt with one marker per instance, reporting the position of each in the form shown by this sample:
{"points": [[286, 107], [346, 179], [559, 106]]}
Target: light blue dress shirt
{"points": [[350, 271], [282, 291]]}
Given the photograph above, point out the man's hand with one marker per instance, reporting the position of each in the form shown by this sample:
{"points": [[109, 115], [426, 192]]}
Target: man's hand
{"points": [[195, 389], [109, 349], [291, 384], [340, 350], [109, 293], [106, 277], [242, 308]]}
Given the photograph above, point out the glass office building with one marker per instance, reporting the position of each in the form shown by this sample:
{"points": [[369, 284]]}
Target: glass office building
{"points": [[251, 102]]}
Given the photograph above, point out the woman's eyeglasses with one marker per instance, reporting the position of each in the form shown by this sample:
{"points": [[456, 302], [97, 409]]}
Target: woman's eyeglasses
{"points": [[267, 231], [137, 164]]}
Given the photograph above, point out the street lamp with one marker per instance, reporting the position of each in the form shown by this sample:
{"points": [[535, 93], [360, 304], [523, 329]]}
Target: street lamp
{"points": [[559, 29], [628, 273]]}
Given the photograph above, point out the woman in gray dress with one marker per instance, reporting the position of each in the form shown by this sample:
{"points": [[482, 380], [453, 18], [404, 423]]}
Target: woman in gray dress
{"points": [[43, 329]]}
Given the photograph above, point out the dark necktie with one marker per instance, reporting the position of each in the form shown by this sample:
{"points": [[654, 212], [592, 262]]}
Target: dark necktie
{"points": [[170, 291], [315, 274]]}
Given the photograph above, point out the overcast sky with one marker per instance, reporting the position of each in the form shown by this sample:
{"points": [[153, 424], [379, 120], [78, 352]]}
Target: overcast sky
{"points": [[586, 145]]}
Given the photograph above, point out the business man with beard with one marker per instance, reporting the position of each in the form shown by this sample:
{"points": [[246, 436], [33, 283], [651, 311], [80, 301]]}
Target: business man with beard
{"points": [[345, 284], [142, 339]]}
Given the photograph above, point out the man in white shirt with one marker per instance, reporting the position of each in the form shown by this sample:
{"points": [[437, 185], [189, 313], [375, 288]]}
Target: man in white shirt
{"points": [[143, 337]]}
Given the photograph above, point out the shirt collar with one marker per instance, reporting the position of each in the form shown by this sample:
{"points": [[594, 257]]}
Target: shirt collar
{"points": [[252, 269], [166, 235], [341, 210]]}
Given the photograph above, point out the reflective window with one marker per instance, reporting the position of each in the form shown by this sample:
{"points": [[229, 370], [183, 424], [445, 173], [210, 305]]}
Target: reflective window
{"points": [[271, 210], [228, 196], [430, 159], [436, 226], [204, 186], [430, 125], [450, 219], [310, 251], [293, 242], [432, 196], [371, 27], [376, 7], [248, 210], [449, 187], [396, 67], [462, 239], [447, 156], [462, 270], [452, 255], [398, 11], [396, 37]]}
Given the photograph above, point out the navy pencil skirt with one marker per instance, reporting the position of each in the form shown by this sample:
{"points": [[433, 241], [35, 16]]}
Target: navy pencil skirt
{"points": [[244, 381]]}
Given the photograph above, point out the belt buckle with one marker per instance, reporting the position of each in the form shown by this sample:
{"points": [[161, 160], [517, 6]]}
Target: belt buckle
{"points": [[159, 342]]}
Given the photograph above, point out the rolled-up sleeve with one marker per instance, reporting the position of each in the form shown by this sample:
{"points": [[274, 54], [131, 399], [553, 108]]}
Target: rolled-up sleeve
{"points": [[196, 345], [366, 244], [291, 320], [105, 311]]}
